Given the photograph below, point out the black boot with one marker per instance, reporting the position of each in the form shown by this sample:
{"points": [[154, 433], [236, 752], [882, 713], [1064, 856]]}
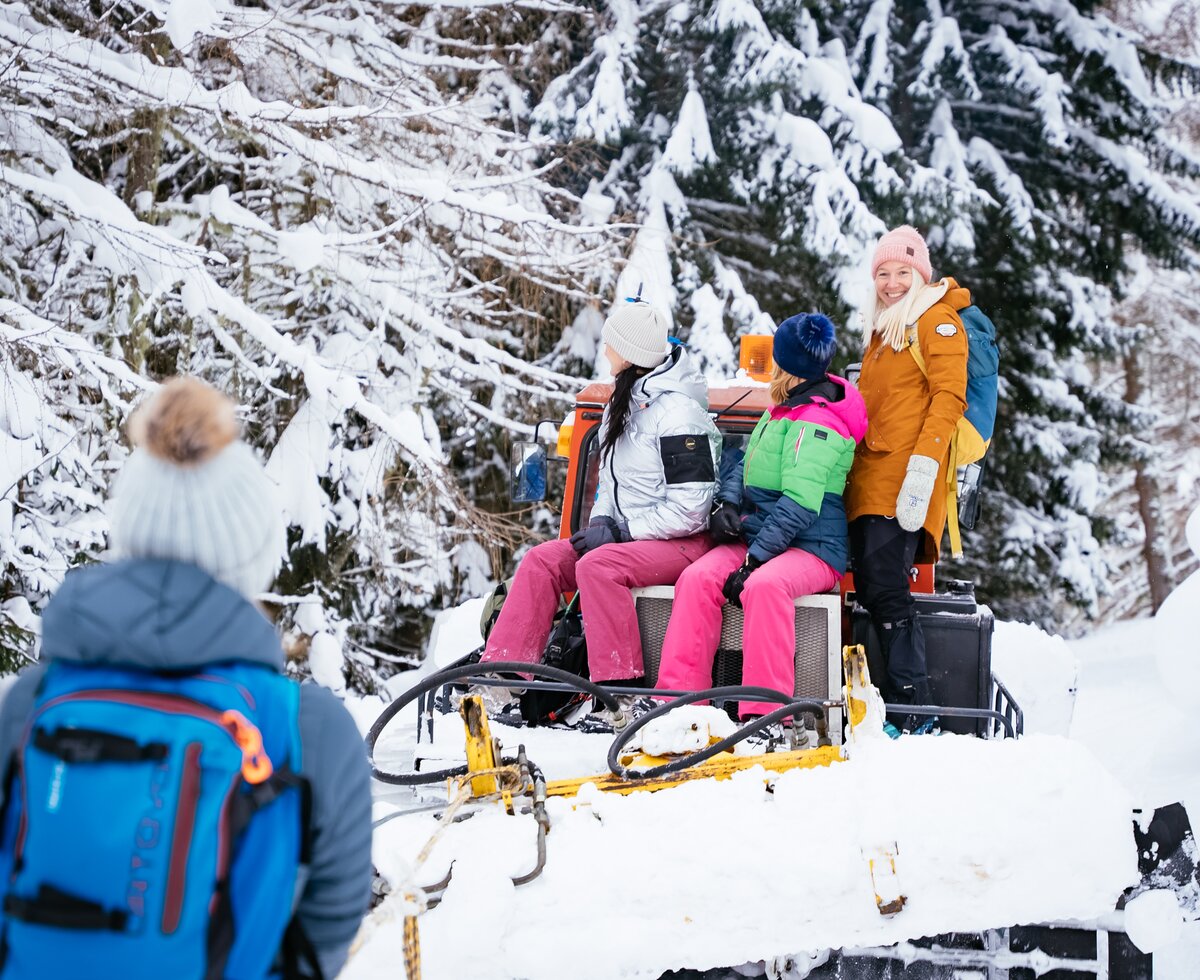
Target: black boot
{"points": [[920, 724], [904, 643]]}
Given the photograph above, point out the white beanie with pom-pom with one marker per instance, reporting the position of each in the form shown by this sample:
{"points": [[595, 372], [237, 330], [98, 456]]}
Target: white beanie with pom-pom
{"points": [[192, 491], [638, 332]]}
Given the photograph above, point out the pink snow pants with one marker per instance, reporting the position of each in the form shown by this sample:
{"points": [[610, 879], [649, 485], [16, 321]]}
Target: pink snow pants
{"points": [[769, 631], [603, 578]]}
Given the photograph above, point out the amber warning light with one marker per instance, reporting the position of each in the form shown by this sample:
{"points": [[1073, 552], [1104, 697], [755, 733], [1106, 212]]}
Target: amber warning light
{"points": [[755, 356]]}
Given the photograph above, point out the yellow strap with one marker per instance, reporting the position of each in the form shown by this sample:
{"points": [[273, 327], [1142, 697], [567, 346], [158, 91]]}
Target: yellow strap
{"points": [[914, 348], [952, 527], [952, 499], [412, 948]]}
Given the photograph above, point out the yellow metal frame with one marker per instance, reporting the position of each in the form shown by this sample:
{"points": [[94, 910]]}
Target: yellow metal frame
{"points": [[858, 680], [484, 769], [884, 881], [482, 752], [483, 755], [719, 767]]}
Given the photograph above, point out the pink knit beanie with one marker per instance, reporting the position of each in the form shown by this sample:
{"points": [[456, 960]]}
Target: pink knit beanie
{"points": [[903, 244]]}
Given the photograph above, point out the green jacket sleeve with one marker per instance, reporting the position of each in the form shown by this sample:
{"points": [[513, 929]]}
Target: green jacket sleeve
{"points": [[808, 458]]}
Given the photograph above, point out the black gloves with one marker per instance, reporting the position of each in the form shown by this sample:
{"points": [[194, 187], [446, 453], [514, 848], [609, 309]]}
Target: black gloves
{"points": [[725, 523], [600, 531], [737, 580]]}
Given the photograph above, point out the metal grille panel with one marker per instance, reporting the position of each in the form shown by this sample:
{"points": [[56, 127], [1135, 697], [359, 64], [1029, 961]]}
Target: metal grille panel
{"points": [[812, 645]]}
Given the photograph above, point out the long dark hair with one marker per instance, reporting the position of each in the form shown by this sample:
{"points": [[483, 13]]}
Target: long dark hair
{"points": [[619, 407]]}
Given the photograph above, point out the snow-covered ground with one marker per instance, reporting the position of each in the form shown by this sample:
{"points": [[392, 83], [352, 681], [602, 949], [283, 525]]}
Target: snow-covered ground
{"points": [[1137, 710], [722, 874]]}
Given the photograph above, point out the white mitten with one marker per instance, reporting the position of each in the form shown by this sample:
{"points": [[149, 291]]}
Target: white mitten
{"points": [[913, 502]]}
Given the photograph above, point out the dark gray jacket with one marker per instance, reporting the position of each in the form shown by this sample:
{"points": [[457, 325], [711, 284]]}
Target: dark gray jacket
{"points": [[165, 614]]}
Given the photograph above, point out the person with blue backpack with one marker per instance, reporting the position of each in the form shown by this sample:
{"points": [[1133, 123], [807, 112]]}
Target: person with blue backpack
{"points": [[173, 805], [900, 493]]}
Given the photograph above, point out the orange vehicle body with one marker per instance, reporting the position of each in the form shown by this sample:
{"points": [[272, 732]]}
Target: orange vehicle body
{"points": [[737, 409]]}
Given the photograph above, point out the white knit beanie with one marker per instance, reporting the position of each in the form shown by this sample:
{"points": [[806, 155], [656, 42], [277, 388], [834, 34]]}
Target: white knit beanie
{"points": [[192, 491], [638, 332]]}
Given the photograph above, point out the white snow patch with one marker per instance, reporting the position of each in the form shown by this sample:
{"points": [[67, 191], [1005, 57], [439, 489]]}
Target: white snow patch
{"points": [[1040, 671], [1174, 630], [1153, 920], [582, 338], [325, 662], [1138, 697], [690, 144], [303, 249], [456, 632], [595, 206], [649, 265], [708, 334], [686, 729], [300, 458], [309, 617], [187, 18]]}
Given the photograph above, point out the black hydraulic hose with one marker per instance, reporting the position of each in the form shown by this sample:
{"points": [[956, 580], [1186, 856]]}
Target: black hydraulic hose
{"points": [[791, 707], [441, 677]]}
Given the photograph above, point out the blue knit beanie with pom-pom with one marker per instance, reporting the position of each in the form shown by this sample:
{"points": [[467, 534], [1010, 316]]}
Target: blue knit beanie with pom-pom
{"points": [[804, 345]]}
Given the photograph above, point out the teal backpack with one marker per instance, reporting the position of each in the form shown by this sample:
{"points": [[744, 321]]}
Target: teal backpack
{"points": [[155, 826], [973, 437]]}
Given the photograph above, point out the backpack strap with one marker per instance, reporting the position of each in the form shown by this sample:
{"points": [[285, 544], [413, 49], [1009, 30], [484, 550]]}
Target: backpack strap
{"points": [[55, 907], [255, 796], [78, 745], [952, 502], [247, 804], [914, 348], [298, 955]]}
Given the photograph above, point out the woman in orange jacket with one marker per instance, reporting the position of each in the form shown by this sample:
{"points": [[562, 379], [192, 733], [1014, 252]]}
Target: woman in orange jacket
{"points": [[895, 516]]}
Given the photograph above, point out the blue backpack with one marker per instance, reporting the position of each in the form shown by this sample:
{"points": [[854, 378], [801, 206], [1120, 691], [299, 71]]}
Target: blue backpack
{"points": [[973, 436], [155, 825]]}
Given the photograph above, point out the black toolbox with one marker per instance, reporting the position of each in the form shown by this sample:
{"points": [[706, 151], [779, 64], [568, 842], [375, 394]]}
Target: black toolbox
{"points": [[958, 651]]}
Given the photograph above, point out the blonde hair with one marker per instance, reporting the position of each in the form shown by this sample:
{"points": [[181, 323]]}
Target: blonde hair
{"points": [[890, 322], [781, 384]]}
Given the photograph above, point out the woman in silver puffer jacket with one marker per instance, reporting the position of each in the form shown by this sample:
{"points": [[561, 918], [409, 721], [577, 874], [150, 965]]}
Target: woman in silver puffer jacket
{"points": [[659, 450]]}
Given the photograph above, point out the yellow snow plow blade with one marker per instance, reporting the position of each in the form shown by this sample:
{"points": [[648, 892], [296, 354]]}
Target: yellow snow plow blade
{"points": [[864, 706], [720, 767]]}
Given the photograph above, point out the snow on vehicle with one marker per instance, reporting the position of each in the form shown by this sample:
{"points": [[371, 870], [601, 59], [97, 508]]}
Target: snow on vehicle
{"points": [[980, 924]]}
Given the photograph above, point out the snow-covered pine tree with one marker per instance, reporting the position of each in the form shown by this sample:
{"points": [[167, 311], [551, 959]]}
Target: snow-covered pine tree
{"points": [[1150, 500], [326, 210], [766, 144]]}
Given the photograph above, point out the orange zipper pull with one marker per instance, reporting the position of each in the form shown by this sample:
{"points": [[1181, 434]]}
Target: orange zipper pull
{"points": [[256, 766]]}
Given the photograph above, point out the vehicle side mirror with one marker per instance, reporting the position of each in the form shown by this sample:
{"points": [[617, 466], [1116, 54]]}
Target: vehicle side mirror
{"points": [[527, 472]]}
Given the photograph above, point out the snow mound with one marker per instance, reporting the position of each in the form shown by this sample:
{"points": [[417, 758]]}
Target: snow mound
{"points": [[686, 729], [1153, 920], [456, 632], [1041, 671], [1175, 629], [715, 874]]}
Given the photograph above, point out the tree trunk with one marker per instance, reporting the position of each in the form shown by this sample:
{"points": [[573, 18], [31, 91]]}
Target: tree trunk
{"points": [[146, 142], [1155, 551]]}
